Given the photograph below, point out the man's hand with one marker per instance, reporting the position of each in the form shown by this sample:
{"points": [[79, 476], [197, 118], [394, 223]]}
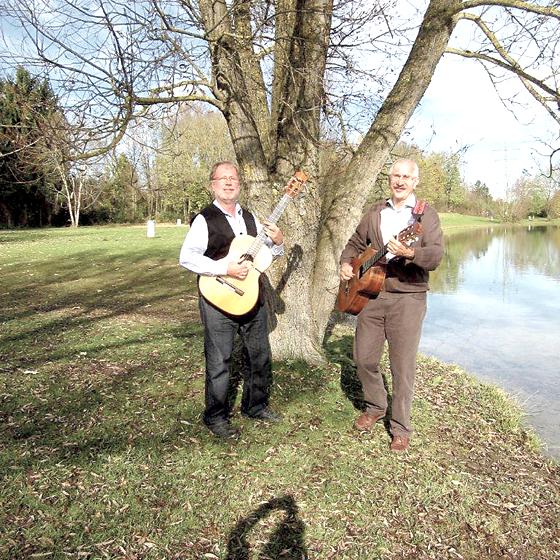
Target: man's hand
{"points": [[346, 272], [274, 232], [238, 270], [400, 250]]}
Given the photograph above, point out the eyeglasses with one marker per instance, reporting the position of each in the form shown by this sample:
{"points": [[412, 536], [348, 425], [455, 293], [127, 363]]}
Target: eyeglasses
{"points": [[230, 179], [404, 177]]}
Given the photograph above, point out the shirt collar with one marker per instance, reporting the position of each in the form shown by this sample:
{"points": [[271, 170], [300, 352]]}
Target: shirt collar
{"points": [[237, 208], [410, 202]]}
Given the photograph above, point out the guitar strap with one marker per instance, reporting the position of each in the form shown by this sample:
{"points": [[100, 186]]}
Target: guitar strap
{"points": [[418, 210]]}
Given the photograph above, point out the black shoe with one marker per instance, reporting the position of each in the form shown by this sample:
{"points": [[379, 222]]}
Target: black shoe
{"points": [[223, 430], [265, 414]]}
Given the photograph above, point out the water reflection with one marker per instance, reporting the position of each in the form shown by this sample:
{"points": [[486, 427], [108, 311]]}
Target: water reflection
{"points": [[494, 310]]}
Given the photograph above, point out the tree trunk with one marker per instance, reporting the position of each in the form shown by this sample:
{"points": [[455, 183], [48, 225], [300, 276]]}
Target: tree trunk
{"points": [[308, 293], [265, 164], [78, 184], [317, 224]]}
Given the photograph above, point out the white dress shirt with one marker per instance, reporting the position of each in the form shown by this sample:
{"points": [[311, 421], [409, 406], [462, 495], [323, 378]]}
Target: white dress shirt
{"points": [[196, 243], [394, 220]]}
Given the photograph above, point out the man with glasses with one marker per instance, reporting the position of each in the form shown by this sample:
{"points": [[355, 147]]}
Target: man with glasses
{"points": [[395, 314], [205, 252]]}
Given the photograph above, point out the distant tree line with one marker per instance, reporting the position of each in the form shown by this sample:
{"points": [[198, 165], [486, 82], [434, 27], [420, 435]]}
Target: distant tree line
{"points": [[161, 172], [27, 180]]}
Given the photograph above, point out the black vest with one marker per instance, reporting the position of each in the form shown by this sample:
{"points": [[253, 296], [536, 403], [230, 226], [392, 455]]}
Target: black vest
{"points": [[220, 234]]}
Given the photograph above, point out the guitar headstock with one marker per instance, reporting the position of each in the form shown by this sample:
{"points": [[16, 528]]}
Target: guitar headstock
{"points": [[295, 184], [411, 233]]}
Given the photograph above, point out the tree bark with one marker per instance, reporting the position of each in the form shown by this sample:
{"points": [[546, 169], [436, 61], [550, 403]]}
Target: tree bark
{"points": [[304, 322]]}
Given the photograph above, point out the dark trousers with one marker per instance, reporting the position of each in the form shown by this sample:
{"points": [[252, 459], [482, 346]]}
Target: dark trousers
{"points": [[219, 335], [397, 318]]}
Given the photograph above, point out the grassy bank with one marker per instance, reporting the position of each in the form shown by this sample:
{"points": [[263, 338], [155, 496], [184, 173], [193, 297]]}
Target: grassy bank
{"points": [[452, 222], [103, 455]]}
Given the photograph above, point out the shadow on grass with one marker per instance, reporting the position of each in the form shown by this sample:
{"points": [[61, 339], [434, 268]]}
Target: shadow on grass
{"points": [[69, 425], [340, 351], [74, 414], [286, 540], [19, 235], [97, 406], [66, 297], [93, 280], [291, 381]]}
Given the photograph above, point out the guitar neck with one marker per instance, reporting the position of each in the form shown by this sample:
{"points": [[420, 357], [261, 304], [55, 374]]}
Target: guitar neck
{"points": [[273, 218], [371, 261], [406, 236], [279, 209]]}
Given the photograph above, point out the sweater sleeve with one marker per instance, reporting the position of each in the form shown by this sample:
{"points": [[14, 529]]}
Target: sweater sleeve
{"points": [[429, 252], [358, 242]]}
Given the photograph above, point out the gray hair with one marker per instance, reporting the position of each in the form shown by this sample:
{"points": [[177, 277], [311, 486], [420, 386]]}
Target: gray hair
{"points": [[220, 163], [406, 160]]}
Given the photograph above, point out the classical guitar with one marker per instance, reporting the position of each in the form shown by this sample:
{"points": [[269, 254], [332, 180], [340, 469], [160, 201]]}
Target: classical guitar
{"points": [[369, 274], [235, 296]]}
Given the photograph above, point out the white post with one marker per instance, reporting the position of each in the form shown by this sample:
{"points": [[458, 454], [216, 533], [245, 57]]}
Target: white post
{"points": [[151, 228], [178, 221]]}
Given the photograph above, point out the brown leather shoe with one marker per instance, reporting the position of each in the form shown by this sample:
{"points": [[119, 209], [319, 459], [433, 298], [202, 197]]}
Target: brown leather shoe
{"points": [[399, 443], [366, 420]]}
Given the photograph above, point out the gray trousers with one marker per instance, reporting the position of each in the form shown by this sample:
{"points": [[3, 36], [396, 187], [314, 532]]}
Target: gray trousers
{"points": [[395, 318]]}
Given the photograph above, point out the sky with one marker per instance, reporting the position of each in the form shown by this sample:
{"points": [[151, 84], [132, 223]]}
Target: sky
{"points": [[461, 108]]}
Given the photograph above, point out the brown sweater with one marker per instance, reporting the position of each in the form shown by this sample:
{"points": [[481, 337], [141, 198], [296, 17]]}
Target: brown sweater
{"points": [[402, 275]]}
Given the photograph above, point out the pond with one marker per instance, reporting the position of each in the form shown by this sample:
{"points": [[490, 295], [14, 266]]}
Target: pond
{"points": [[494, 310]]}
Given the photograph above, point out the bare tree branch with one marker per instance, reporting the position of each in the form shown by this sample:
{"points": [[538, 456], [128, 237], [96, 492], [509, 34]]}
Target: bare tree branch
{"points": [[531, 7]]}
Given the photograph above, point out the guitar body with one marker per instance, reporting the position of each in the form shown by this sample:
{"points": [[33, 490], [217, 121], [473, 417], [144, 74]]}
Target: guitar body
{"points": [[369, 275], [232, 295], [235, 296], [353, 294]]}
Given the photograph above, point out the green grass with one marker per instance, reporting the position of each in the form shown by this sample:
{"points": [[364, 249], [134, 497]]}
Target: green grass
{"points": [[102, 453], [452, 222]]}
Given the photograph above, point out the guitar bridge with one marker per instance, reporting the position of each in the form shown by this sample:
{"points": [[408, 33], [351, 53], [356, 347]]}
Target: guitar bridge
{"points": [[237, 290]]}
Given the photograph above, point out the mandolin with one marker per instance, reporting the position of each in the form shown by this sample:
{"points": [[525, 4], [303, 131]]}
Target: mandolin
{"points": [[369, 274], [235, 296]]}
